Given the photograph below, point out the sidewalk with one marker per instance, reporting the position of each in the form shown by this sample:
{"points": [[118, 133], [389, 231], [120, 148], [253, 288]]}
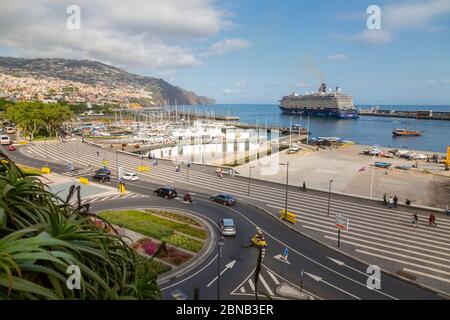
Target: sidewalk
{"points": [[396, 248]]}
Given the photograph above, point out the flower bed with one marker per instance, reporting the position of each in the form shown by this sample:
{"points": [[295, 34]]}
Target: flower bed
{"points": [[175, 216], [170, 255], [157, 227]]}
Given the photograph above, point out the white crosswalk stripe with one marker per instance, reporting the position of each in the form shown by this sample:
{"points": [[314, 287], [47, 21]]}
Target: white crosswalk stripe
{"points": [[130, 195], [373, 229]]}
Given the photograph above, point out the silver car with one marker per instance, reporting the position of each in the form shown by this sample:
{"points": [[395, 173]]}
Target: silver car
{"points": [[227, 227]]}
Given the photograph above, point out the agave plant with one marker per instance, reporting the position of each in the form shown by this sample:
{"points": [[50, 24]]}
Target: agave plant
{"points": [[42, 235]]}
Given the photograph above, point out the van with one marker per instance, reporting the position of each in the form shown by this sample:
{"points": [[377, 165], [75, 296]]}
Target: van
{"points": [[10, 130], [4, 140]]}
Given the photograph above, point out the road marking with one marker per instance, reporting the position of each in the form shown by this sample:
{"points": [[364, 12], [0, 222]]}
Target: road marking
{"points": [[394, 253], [250, 282], [426, 275], [403, 261], [300, 254], [230, 265], [263, 281], [319, 279], [242, 289], [274, 279]]}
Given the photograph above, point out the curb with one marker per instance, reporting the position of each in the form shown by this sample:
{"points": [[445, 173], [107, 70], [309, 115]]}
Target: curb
{"points": [[422, 286]]}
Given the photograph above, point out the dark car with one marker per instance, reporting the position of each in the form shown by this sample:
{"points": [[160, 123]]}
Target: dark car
{"points": [[102, 177], [103, 171], [225, 199], [166, 192]]}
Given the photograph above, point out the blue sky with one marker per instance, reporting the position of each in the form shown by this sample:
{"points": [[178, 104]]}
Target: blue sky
{"points": [[292, 38], [250, 51]]}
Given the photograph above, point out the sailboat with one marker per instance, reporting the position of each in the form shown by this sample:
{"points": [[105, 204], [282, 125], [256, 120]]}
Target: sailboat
{"points": [[405, 132]]}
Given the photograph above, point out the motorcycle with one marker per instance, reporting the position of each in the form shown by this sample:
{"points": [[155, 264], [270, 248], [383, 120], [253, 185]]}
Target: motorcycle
{"points": [[259, 242], [187, 198]]}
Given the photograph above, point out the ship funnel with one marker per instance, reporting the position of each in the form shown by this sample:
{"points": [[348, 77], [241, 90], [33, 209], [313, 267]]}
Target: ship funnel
{"points": [[323, 88]]}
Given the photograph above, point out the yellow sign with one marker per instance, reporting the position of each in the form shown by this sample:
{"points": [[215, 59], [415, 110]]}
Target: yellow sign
{"points": [[23, 142], [289, 216], [144, 169], [84, 181], [105, 162], [45, 170], [448, 156]]}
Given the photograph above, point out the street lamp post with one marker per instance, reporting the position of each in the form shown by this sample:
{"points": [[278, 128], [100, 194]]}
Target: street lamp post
{"points": [[287, 186], [329, 197], [220, 244], [249, 179], [46, 152]]}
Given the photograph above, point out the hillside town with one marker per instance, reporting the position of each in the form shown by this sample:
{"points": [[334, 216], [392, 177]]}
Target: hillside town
{"points": [[50, 90]]}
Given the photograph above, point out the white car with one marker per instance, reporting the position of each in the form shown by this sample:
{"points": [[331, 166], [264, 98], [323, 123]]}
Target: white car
{"points": [[130, 177]]}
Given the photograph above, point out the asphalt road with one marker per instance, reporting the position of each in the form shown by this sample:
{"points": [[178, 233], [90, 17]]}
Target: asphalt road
{"points": [[323, 278]]}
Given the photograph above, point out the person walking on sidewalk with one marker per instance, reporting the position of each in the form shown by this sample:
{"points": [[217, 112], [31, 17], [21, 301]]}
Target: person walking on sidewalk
{"points": [[385, 199], [304, 186], [414, 220], [432, 221], [395, 201], [390, 203]]}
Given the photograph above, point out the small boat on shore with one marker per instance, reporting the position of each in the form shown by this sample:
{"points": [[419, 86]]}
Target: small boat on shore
{"points": [[384, 165]]}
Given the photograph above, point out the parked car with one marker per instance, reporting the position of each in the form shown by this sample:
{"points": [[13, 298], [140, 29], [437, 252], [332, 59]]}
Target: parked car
{"points": [[225, 199], [166, 192], [102, 177], [104, 170], [227, 227], [130, 177], [12, 148]]}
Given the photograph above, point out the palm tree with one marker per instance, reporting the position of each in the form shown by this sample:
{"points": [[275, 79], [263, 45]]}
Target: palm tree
{"points": [[42, 235]]}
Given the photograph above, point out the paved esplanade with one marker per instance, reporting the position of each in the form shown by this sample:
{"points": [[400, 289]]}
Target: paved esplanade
{"points": [[377, 235]]}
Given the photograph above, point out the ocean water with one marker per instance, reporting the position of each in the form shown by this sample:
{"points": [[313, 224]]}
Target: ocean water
{"points": [[365, 130]]}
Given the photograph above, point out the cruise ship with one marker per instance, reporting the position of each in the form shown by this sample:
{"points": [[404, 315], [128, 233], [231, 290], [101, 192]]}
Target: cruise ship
{"points": [[324, 103]]}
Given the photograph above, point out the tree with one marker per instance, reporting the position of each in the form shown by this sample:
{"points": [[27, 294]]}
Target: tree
{"points": [[34, 116], [54, 116], [27, 116], [42, 236]]}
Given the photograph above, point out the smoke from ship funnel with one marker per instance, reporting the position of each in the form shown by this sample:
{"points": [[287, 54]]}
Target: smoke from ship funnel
{"points": [[311, 68]]}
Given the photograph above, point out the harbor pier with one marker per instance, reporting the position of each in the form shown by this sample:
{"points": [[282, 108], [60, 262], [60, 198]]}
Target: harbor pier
{"points": [[420, 114]]}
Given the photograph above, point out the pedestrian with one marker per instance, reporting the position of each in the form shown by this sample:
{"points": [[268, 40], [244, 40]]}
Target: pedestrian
{"points": [[385, 199], [395, 201], [304, 186], [415, 219], [390, 203], [177, 169], [432, 221], [98, 153]]}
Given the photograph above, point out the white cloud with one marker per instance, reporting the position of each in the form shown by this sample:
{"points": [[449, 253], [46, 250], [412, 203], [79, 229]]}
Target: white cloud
{"points": [[337, 56], [413, 14], [439, 83], [372, 36], [147, 34], [225, 46], [395, 17]]}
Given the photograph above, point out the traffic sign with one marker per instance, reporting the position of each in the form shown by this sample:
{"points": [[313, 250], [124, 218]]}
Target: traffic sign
{"points": [[342, 223], [286, 253], [301, 273]]}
